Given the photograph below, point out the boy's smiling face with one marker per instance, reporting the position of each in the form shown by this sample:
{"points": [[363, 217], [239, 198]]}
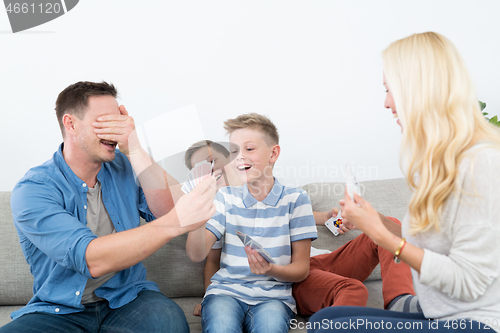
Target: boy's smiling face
{"points": [[255, 159]]}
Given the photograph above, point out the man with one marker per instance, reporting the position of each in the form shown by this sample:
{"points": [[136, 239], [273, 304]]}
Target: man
{"points": [[78, 215]]}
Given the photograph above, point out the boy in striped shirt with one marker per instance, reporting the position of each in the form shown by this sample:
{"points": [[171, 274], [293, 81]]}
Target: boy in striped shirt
{"points": [[248, 293]]}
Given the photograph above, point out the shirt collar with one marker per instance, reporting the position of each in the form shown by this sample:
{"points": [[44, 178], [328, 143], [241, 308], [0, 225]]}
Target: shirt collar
{"points": [[271, 199], [65, 168]]}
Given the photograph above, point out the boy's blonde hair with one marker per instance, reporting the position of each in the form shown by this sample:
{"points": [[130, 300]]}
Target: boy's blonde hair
{"points": [[254, 121], [437, 106]]}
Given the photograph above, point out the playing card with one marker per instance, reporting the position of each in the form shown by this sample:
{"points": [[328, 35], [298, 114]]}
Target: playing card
{"points": [[334, 223], [352, 184], [186, 187], [201, 170], [198, 173], [248, 241]]}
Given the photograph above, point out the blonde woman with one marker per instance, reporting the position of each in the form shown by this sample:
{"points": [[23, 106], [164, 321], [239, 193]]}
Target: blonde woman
{"points": [[450, 156]]}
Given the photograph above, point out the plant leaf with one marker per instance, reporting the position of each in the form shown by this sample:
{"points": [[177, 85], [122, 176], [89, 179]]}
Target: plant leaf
{"points": [[482, 105]]}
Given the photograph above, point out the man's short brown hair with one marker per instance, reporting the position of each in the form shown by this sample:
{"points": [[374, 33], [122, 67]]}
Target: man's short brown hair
{"points": [[254, 121], [74, 99]]}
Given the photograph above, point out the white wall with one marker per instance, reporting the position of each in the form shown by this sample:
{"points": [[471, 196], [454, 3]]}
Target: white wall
{"points": [[314, 67]]}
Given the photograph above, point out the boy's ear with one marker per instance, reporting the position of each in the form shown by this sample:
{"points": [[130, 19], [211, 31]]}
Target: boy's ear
{"points": [[275, 153]]}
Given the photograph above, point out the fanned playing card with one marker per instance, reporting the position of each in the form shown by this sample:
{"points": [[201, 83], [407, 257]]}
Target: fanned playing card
{"points": [[352, 184], [248, 241], [198, 173]]}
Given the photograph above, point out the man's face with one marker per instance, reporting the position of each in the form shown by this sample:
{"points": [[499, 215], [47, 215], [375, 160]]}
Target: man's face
{"points": [[91, 147]]}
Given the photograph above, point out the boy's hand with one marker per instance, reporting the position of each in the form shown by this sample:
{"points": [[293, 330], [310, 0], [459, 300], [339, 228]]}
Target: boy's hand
{"points": [[197, 310], [258, 265], [321, 217]]}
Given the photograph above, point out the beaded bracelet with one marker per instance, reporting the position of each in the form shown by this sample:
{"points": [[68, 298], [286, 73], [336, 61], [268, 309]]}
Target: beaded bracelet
{"points": [[398, 251]]}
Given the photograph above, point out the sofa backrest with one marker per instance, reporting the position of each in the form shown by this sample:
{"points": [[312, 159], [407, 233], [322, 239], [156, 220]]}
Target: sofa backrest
{"points": [[16, 281], [389, 196], [174, 272], [170, 267]]}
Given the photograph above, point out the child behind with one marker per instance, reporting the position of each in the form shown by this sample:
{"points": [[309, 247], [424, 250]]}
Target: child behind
{"points": [[248, 293]]}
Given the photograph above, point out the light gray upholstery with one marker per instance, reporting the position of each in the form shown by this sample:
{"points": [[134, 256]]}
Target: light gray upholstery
{"points": [[177, 277]]}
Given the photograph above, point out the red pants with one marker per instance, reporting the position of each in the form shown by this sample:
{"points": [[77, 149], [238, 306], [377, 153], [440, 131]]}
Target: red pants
{"points": [[337, 278]]}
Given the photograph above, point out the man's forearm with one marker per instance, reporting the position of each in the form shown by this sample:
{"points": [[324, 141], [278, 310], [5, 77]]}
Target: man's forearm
{"points": [[118, 251], [199, 243], [161, 189]]}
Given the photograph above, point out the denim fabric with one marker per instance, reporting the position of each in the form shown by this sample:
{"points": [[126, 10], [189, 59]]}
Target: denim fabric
{"points": [[150, 312], [361, 319], [225, 314]]}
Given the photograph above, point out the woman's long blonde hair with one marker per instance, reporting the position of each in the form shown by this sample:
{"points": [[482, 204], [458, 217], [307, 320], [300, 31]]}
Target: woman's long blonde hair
{"points": [[441, 119]]}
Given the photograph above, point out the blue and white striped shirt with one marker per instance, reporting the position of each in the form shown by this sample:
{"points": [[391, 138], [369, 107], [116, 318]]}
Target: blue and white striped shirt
{"points": [[283, 217]]}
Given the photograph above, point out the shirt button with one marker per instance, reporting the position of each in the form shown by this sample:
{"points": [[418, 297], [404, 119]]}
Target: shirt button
{"points": [[84, 185], [77, 293], [57, 310], [84, 206]]}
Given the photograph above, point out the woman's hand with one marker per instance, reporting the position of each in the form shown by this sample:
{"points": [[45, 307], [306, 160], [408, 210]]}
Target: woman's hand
{"points": [[346, 225], [363, 216]]}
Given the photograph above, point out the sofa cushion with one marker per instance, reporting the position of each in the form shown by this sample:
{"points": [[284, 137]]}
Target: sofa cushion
{"points": [[174, 272], [16, 281]]}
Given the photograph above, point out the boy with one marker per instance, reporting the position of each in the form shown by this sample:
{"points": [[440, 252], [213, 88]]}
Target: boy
{"points": [[249, 293]]}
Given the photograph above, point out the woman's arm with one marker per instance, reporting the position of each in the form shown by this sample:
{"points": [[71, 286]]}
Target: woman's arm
{"points": [[376, 226]]}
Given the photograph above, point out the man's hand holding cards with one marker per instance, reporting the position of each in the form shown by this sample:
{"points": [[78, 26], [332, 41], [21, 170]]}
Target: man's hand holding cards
{"points": [[248, 241]]}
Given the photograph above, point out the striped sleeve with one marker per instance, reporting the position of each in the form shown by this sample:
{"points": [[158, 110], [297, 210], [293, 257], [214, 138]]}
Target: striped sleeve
{"points": [[302, 224]]}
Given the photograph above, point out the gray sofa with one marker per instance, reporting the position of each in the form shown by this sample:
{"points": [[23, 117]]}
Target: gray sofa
{"points": [[180, 279]]}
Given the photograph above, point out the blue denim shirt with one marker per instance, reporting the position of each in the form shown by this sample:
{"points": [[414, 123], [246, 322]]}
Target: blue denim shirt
{"points": [[49, 208]]}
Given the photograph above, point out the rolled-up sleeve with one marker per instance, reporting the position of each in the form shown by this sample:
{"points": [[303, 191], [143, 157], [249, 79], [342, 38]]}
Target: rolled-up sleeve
{"points": [[143, 207], [40, 217]]}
